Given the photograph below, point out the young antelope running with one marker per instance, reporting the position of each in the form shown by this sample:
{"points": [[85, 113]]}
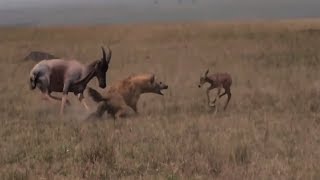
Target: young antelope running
{"points": [[219, 81]]}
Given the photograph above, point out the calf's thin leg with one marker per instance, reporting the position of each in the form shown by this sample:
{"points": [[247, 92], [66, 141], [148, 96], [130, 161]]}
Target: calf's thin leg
{"points": [[216, 100], [229, 97], [225, 92], [208, 96]]}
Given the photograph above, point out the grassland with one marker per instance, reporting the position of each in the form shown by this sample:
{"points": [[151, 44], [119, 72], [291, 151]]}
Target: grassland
{"points": [[271, 129]]}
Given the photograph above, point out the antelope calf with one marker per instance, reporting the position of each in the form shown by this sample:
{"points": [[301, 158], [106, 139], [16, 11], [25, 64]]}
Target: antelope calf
{"points": [[219, 81]]}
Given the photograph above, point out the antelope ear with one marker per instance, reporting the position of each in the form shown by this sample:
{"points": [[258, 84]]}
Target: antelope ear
{"points": [[206, 73], [152, 79]]}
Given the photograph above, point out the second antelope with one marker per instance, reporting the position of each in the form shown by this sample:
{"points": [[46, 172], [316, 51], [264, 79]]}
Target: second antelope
{"points": [[59, 75], [219, 81]]}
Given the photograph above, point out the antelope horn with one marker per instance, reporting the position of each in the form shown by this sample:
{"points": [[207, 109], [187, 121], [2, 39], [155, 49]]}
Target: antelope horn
{"points": [[106, 58], [109, 54], [103, 53]]}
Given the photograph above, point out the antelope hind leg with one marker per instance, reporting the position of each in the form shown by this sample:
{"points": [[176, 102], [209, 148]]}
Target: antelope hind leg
{"points": [[214, 101]]}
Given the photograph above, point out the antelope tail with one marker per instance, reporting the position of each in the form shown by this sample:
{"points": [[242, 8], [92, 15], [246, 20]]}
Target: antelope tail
{"points": [[96, 96]]}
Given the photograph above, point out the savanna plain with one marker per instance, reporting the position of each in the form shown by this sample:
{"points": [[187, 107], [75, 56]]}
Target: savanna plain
{"points": [[270, 130]]}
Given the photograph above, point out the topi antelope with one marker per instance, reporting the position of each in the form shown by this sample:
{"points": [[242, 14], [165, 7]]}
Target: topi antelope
{"points": [[219, 81], [65, 76]]}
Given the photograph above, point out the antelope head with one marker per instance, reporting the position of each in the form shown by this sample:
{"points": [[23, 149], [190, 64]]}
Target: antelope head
{"points": [[102, 66]]}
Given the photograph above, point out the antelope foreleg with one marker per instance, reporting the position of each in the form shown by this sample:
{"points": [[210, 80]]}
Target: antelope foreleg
{"points": [[64, 95], [82, 101], [208, 96], [63, 102], [218, 95], [229, 97], [216, 100]]}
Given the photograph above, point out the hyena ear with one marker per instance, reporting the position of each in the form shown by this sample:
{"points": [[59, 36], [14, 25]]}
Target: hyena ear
{"points": [[152, 79]]}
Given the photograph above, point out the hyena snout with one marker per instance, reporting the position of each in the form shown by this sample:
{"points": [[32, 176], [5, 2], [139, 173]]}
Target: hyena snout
{"points": [[160, 86], [165, 87]]}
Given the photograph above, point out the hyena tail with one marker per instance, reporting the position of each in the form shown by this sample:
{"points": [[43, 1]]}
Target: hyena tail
{"points": [[96, 96]]}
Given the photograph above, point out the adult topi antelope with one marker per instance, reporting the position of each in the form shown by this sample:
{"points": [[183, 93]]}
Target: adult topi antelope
{"points": [[219, 81], [59, 75]]}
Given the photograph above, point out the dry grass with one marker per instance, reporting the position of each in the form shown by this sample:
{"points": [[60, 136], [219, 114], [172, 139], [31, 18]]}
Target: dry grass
{"points": [[271, 129]]}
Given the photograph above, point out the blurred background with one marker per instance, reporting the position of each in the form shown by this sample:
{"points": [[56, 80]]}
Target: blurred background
{"points": [[80, 12]]}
